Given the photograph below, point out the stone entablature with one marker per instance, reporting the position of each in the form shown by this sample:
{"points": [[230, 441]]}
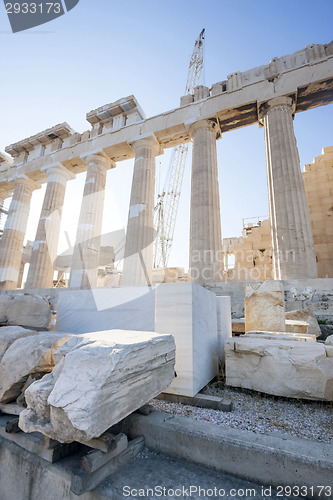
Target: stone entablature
{"points": [[312, 54], [43, 143], [305, 75], [116, 115]]}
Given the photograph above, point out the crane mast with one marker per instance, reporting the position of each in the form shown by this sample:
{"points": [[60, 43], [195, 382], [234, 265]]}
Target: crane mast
{"points": [[168, 202]]}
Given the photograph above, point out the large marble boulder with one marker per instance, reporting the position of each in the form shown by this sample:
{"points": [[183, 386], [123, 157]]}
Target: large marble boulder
{"points": [[8, 335], [308, 317], [28, 310], [98, 380], [264, 307], [32, 355], [289, 368]]}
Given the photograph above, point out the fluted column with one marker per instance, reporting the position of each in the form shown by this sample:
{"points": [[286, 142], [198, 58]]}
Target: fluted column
{"points": [[138, 261], [84, 268], [44, 250], [206, 257], [293, 250], [11, 243]]}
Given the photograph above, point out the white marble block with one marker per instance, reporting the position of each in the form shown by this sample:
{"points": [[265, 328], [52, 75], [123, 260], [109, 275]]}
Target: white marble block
{"points": [[299, 368], [97, 309], [99, 378], [188, 312], [224, 326], [185, 310]]}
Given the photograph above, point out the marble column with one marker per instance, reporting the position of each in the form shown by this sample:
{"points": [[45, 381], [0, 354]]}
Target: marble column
{"points": [[138, 260], [293, 249], [44, 250], [206, 256], [11, 243], [84, 268]]}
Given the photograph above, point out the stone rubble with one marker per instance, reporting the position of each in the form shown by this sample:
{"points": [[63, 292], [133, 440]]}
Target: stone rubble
{"points": [[98, 380]]}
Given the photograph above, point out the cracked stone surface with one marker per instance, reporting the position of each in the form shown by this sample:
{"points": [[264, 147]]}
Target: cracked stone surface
{"points": [[98, 380]]}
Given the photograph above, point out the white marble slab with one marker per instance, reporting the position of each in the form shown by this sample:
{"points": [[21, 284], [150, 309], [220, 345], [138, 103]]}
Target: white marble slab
{"points": [[224, 325], [188, 312], [98, 309]]}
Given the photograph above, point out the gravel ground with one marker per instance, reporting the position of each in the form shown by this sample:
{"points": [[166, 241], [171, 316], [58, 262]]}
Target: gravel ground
{"points": [[262, 414]]}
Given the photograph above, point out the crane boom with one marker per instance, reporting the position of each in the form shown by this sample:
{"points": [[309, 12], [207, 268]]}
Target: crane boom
{"points": [[168, 201]]}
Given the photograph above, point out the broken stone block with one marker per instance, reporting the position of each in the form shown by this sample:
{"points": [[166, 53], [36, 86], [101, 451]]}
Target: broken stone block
{"points": [[280, 367], [98, 380], [238, 325], [30, 311], [305, 315], [329, 340], [8, 335], [264, 307], [27, 356], [4, 305], [299, 337], [295, 326]]}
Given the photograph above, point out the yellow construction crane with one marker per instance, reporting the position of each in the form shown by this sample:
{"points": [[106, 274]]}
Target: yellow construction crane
{"points": [[168, 202]]}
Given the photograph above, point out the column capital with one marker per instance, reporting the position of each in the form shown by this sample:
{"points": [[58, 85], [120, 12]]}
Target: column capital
{"points": [[277, 102], [58, 169], [148, 140], [100, 158], [26, 182], [210, 124]]}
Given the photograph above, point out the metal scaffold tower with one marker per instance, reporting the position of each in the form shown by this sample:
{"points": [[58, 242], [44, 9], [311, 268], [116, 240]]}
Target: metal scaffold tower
{"points": [[168, 202]]}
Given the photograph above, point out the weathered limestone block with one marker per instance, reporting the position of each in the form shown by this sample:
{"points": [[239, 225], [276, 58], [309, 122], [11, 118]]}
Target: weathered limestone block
{"points": [[26, 356], [98, 380], [30, 311], [238, 325], [8, 335], [280, 367], [4, 305], [309, 317], [264, 307], [296, 326]]}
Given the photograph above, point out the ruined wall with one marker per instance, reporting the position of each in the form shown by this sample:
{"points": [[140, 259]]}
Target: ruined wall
{"points": [[318, 181], [253, 251]]}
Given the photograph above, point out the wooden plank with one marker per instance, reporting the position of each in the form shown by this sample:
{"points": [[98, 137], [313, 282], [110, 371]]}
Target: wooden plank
{"points": [[146, 409], [12, 426], [94, 459], [33, 442], [199, 400], [83, 481], [104, 443]]}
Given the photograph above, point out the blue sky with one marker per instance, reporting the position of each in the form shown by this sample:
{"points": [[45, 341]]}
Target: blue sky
{"points": [[104, 50]]}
